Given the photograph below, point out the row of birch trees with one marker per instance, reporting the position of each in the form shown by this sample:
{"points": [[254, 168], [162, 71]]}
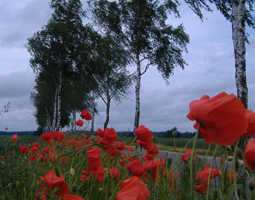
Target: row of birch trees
{"points": [[77, 62]]}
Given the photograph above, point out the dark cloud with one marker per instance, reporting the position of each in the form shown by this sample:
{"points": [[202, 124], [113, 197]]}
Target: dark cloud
{"points": [[16, 84], [20, 19]]}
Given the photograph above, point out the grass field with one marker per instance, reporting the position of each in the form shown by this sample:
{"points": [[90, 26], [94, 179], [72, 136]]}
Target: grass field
{"points": [[6, 142], [167, 144]]}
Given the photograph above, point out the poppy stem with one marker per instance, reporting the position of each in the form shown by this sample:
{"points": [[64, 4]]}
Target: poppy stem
{"points": [[192, 168], [209, 178], [234, 169]]}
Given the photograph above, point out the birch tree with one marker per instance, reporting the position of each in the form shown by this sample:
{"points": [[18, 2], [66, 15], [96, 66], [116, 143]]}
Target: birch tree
{"points": [[238, 12], [61, 49], [140, 26], [115, 80]]}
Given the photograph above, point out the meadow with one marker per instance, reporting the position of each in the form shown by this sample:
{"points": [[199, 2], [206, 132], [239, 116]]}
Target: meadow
{"points": [[76, 166]]}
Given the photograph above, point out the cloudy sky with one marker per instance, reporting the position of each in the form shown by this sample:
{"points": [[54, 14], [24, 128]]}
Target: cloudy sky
{"points": [[210, 71]]}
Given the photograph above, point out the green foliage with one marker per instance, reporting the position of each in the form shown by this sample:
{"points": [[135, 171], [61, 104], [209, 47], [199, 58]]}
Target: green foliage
{"points": [[2, 113], [141, 27], [62, 58]]}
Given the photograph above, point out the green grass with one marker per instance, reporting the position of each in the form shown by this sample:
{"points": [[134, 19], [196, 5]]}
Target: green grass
{"points": [[167, 144], [6, 142]]}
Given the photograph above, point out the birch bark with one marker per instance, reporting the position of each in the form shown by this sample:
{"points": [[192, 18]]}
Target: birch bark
{"points": [[137, 92], [108, 100], [93, 112], [238, 36], [53, 125], [74, 120], [59, 99]]}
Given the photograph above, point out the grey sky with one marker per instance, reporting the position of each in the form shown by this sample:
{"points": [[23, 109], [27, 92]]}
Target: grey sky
{"points": [[210, 71]]}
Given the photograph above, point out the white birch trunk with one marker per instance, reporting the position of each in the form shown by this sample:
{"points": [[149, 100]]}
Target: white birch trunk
{"points": [[74, 120], [238, 36], [93, 112], [53, 125], [137, 93], [108, 101], [48, 125], [59, 99]]}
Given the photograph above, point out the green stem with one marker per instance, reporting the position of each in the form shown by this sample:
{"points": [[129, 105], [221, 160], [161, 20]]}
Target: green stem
{"points": [[234, 170], [209, 178], [174, 144], [177, 156], [192, 168]]}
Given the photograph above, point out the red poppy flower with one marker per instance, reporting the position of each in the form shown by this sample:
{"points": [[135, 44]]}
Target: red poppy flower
{"points": [[58, 136], [153, 150], [85, 175], [133, 188], [203, 176], [148, 156], [251, 123], [86, 115], [115, 173], [143, 133], [111, 135], [94, 159], [186, 155], [52, 181], [147, 145], [100, 132], [32, 158], [201, 189], [47, 150], [129, 148], [64, 159], [98, 174], [136, 168], [249, 154], [43, 158], [154, 167], [52, 157], [223, 118], [120, 145], [23, 149], [231, 176], [79, 123], [46, 136], [15, 138]]}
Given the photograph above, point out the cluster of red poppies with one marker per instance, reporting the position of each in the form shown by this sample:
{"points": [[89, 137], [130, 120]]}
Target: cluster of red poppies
{"points": [[223, 119]]}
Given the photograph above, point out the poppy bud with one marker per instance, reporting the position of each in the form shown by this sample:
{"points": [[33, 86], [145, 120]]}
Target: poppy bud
{"points": [[251, 184], [215, 195], [57, 172], [239, 192], [74, 188], [239, 152], [106, 177], [17, 184], [168, 162], [237, 165], [72, 171], [174, 134], [229, 158], [56, 190]]}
